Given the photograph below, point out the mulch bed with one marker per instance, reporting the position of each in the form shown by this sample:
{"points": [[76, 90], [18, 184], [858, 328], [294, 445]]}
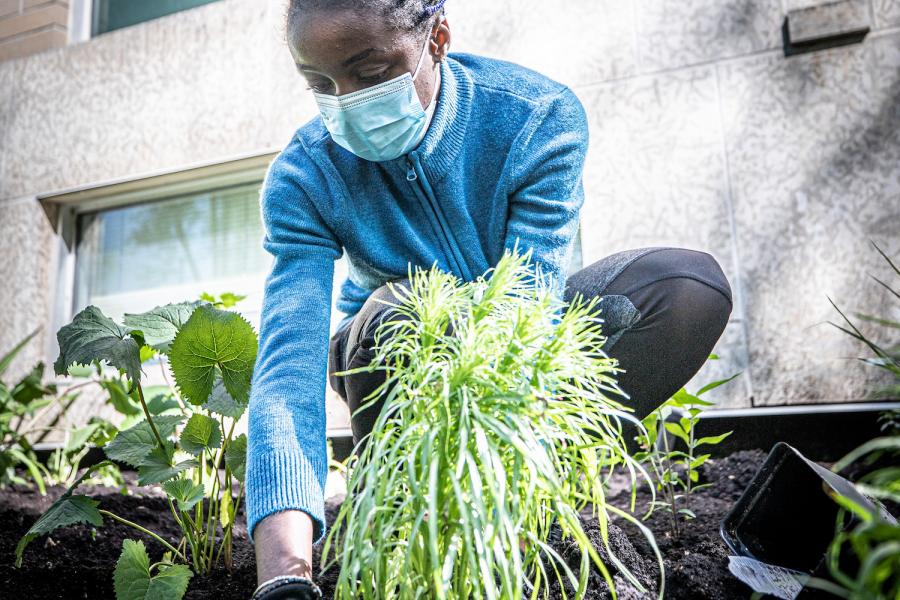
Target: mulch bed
{"points": [[77, 562]]}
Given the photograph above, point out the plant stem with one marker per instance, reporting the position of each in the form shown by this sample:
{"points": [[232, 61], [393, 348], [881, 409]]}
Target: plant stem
{"points": [[144, 530], [147, 414], [175, 393]]}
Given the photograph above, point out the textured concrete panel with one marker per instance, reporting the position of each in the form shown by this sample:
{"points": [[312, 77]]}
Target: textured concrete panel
{"points": [[887, 13], [655, 176], [125, 103], [26, 240], [655, 173], [573, 41], [813, 148], [675, 33]]}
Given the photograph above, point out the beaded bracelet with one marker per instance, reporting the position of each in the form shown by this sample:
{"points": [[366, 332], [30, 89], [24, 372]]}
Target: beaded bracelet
{"points": [[283, 580]]}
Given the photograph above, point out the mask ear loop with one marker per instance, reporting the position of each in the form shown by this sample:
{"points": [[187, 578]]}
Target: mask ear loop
{"points": [[424, 51]]}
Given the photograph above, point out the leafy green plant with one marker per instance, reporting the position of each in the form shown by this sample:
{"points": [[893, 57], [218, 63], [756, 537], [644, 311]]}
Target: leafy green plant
{"points": [[675, 471], [62, 466], [863, 558], [178, 446], [886, 357], [498, 419], [21, 403], [870, 537]]}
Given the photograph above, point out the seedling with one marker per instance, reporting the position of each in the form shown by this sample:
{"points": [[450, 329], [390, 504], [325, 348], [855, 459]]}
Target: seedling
{"points": [[211, 353], [676, 472], [498, 417]]}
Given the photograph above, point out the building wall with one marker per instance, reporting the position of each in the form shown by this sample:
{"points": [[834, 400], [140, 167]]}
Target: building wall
{"points": [[30, 26], [703, 135]]}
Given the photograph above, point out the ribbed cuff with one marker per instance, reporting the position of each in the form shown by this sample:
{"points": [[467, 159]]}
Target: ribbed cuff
{"points": [[278, 481]]}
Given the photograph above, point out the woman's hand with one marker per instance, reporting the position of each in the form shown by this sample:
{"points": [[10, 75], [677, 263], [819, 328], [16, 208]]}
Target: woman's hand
{"points": [[284, 548]]}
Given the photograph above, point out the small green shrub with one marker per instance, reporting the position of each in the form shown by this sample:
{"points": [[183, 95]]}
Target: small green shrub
{"points": [[676, 471], [177, 445], [499, 418]]}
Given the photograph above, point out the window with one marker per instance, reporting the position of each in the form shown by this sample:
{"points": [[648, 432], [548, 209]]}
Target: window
{"points": [[109, 15], [136, 257]]}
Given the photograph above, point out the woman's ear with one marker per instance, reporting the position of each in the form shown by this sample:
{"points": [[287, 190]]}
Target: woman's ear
{"points": [[441, 40]]}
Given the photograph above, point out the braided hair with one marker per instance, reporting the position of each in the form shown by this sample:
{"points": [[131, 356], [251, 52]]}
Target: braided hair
{"points": [[404, 15]]}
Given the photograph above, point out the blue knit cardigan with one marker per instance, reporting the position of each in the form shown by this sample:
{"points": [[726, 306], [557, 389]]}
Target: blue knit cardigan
{"points": [[502, 160]]}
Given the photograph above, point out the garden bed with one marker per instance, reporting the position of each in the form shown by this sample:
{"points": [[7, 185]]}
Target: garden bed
{"points": [[77, 562]]}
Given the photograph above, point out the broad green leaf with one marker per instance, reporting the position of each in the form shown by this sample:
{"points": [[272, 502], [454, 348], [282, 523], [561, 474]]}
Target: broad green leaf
{"points": [[132, 580], [31, 387], [214, 338], [158, 466], [91, 336], [200, 433], [236, 456], [160, 325], [134, 445], [221, 402], [161, 403], [712, 440], [185, 492], [80, 437], [119, 397], [147, 353], [68, 510]]}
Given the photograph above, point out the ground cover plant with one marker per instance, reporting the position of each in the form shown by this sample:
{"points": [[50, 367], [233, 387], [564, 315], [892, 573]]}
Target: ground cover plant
{"points": [[499, 419], [178, 446]]}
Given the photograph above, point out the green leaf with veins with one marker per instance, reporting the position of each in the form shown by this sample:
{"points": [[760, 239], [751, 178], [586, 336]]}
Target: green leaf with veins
{"points": [[213, 338], [134, 445], [185, 492], [92, 336], [161, 324], [119, 397], [67, 510], [161, 403], [132, 579], [200, 433], [221, 402], [236, 456], [158, 466]]}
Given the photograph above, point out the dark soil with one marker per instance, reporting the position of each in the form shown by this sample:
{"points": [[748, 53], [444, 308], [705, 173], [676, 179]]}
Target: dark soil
{"points": [[77, 562]]}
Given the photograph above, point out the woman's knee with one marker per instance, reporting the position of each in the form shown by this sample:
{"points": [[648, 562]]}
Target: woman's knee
{"points": [[678, 265], [378, 308]]}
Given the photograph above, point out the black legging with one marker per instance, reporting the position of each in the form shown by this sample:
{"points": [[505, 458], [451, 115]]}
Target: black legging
{"points": [[666, 308]]}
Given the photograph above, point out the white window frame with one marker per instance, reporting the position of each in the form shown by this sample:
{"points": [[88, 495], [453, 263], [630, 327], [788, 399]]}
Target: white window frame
{"points": [[63, 208], [80, 20]]}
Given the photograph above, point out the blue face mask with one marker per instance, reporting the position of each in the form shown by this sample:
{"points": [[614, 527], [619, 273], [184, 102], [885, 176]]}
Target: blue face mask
{"points": [[378, 123]]}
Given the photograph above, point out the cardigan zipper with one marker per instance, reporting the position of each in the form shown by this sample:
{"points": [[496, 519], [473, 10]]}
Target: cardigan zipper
{"points": [[416, 180]]}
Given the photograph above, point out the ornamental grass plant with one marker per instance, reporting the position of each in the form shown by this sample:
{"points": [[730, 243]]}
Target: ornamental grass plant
{"points": [[498, 419]]}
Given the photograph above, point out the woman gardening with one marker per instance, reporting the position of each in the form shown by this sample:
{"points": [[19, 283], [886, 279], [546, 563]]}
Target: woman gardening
{"points": [[421, 156]]}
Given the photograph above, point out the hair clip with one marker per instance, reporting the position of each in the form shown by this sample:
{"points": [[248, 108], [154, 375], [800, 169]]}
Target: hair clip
{"points": [[430, 10]]}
